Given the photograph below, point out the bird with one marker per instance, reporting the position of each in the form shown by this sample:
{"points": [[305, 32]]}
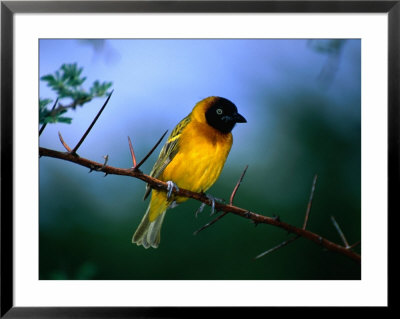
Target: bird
{"points": [[192, 158]]}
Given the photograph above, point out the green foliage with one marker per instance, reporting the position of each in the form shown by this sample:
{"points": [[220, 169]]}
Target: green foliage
{"points": [[67, 83], [46, 116]]}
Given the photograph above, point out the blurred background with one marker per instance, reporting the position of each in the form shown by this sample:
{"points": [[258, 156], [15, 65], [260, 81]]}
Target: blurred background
{"points": [[302, 102]]}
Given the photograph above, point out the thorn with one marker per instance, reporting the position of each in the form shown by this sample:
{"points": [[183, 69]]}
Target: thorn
{"points": [[285, 243], [151, 151], [340, 232], [91, 125], [310, 202], [354, 245], [105, 163], [63, 142], [132, 153], [210, 223], [237, 185]]}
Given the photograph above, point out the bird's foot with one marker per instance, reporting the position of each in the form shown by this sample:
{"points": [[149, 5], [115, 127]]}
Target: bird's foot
{"points": [[200, 209], [213, 200], [171, 186]]}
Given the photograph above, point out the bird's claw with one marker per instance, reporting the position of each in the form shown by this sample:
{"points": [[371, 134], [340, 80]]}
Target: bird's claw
{"points": [[213, 200], [200, 209], [171, 186]]}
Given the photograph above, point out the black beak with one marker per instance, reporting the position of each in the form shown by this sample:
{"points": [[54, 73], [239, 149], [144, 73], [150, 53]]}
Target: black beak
{"points": [[239, 118]]}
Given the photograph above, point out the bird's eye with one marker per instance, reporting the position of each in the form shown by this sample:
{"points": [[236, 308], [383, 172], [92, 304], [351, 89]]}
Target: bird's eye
{"points": [[219, 111]]}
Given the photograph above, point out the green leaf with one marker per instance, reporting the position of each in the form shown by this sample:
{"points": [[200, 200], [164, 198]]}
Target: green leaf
{"points": [[44, 102], [48, 78], [67, 83], [67, 120]]}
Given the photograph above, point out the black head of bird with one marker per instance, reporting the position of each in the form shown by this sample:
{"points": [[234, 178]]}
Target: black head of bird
{"points": [[222, 114]]}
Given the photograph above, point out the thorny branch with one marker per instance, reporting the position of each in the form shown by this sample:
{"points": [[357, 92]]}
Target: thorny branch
{"points": [[287, 242], [71, 156]]}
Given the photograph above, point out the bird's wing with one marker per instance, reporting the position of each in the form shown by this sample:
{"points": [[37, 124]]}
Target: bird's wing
{"points": [[168, 152]]}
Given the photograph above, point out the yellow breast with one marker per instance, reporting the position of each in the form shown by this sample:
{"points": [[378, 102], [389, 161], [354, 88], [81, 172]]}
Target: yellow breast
{"points": [[200, 159]]}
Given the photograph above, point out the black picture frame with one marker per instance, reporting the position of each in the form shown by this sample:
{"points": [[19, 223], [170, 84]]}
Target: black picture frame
{"points": [[9, 8]]}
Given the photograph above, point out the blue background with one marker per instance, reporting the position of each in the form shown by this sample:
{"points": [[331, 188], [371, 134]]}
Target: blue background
{"points": [[302, 102]]}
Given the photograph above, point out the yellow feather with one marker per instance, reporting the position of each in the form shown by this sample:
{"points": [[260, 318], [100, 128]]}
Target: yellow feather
{"points": [[201, 157], [158, 204], [171, 139]]}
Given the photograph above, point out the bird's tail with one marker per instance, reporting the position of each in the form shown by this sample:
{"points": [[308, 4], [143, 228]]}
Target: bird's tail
{"points": [[148, 231]]}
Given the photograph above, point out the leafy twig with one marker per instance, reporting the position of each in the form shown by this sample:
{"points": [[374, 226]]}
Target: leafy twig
{"points": [[67, 83], [45, 123]]}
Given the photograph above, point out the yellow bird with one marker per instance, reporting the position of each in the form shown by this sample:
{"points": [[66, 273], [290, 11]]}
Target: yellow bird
{"points": [[192, 158]]}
